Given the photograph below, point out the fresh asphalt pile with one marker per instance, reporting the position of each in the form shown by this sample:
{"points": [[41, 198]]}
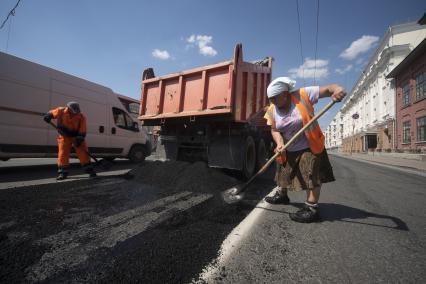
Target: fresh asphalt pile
{"points": [[179, 176], [173, 251]]}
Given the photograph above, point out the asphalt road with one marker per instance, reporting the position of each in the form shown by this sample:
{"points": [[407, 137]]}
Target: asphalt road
{"points": [[157, 228], [373, 230]]}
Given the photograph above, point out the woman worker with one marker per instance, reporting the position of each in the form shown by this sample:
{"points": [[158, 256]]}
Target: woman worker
{"points": [[304, 165]]}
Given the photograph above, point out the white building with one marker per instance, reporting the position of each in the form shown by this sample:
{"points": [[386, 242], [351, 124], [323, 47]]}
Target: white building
{"points": [[334, 132], [373, 96]]}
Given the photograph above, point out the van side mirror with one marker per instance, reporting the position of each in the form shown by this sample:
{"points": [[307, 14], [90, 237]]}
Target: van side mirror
{"points": [[135, 126]]}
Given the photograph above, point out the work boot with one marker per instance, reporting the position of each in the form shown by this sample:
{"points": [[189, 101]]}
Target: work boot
{"points": [[307, 214], [62, 176], [278, 198], [62, 173]]}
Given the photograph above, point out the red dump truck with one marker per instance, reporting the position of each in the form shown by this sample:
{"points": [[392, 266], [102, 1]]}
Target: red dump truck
{"points": [[212, 113]]}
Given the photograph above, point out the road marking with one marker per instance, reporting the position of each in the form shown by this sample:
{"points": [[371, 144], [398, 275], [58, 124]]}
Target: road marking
{"points": [[71, 248]]}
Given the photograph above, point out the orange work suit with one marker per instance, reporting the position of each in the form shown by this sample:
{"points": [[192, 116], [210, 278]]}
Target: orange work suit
{"points": [[70, 126]]}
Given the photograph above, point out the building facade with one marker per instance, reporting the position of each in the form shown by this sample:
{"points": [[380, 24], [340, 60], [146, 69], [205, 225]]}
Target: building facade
{"points": [[372, 99], [410, 82]]}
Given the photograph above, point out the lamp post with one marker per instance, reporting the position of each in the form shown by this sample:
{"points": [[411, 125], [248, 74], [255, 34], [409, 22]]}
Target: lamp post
{"points": [[355, 116]]}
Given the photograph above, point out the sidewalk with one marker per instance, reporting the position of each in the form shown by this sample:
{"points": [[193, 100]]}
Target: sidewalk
{"points": [[413, 164]]}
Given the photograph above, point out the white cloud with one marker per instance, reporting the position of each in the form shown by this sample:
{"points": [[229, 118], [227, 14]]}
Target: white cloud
{"points": [[360, 61], [361, 45], [342, 71], [311, 70], [204, 44], [161, 54]]}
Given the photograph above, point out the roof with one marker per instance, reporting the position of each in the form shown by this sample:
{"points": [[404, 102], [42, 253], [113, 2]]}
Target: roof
{"points": [[413, 55], [128, 98]]}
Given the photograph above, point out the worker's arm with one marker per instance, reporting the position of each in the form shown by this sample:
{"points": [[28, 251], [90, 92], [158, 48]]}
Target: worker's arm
{"points": [[276, 135], [81, 132], [54, 113], [336, 92], [83, 127], [278, 138]]}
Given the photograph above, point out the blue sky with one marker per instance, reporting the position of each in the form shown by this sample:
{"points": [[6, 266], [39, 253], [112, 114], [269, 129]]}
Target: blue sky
{"points": [[112, 42]]}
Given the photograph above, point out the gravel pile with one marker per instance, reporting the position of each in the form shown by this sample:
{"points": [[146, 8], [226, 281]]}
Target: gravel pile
{"points": [[178, 175]]}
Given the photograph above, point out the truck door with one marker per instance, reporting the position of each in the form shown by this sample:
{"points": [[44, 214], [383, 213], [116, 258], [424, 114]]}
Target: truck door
{"points": [[123, 132]]}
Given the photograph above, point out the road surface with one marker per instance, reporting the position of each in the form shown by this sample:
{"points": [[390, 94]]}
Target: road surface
{"points": [[162, 226]]}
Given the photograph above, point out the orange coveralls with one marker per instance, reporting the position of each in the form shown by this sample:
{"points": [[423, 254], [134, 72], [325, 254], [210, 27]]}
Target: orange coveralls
{"points": [[71, 126]]}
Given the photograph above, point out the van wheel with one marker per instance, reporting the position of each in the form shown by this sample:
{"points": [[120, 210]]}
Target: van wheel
{"points": [[249, 165], [137, 154]]}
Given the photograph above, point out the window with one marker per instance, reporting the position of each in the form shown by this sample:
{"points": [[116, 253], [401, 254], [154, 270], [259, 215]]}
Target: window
{"points": [[421, 86], [134, 108], [421, 129], [122, 119], [406, 136], [406, 94]]}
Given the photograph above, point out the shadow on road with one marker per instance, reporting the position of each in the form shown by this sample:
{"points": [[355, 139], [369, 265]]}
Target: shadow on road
{"points": [[23, 173], [337, 212]]}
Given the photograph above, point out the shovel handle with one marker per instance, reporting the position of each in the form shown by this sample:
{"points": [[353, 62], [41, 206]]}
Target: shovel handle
{"points": [[271, 160]]}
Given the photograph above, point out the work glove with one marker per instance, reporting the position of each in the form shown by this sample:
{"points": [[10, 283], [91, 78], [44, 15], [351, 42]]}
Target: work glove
{"points": [[78, 141], [48, 117]]}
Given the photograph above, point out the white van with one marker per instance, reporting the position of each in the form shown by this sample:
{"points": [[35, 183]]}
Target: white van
{"points": [[27, 90]]}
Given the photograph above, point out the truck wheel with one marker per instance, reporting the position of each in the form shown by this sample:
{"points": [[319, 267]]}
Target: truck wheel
{"points": [[137, 154], [262, 155], [249, 165]]}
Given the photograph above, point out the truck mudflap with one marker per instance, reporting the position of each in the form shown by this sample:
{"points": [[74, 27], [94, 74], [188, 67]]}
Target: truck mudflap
{"points": [[225, 152]]}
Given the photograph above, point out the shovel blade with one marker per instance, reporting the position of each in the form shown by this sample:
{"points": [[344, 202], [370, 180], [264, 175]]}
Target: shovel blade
{"points": [[233, 195]]}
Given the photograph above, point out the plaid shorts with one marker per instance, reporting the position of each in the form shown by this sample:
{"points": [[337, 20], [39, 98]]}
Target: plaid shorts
{"points": [[304, 170]]}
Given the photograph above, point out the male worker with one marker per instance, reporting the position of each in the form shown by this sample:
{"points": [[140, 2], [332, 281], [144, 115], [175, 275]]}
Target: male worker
{"points": [[71, 126]]}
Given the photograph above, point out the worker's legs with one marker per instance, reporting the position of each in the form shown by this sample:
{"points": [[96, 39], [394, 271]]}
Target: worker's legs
{"points": [[310, 210], [64, 148], [280, 196], [312, 196], [83, 156]]}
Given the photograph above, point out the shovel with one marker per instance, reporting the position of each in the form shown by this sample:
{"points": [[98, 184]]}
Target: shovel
{"points": [[236, 194]]}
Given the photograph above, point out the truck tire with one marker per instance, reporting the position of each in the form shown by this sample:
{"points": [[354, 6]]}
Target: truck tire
{"points": [[262, 153], [249, 164], [137, 154]]}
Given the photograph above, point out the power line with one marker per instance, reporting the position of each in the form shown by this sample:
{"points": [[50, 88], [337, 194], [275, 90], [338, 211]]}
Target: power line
{"points": [[300, 40], [316, 43], [8, 35], [11, 13]]}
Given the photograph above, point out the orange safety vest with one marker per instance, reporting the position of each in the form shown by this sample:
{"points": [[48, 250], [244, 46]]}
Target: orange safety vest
{"points": [[313, 133]]}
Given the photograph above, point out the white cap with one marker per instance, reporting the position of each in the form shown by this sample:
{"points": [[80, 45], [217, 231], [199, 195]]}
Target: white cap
{"points": [[279, 85]]}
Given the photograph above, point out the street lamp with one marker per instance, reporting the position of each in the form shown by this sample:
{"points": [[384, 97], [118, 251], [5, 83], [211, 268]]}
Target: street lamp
{"points": [[355, 116]]}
